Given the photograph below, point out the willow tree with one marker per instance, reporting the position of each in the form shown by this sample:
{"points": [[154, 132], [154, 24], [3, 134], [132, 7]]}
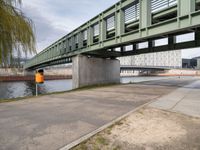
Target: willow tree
{"points": [[16, 32]]}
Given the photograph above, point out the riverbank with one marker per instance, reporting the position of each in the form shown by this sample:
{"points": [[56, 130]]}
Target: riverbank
{"points": [[53, 121], [9, 90], [32, 78]]}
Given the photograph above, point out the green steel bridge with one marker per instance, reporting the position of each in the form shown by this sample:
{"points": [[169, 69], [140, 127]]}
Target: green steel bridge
{"points": [[137, 24]]}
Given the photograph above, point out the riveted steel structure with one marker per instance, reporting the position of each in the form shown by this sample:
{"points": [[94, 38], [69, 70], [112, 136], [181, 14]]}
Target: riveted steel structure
{"points": [[128, 22]]}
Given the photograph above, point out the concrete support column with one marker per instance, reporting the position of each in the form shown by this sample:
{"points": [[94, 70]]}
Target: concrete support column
{"points": [[94, 71]]}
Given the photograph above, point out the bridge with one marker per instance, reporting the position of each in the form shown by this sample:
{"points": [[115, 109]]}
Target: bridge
{"points": [[128, 67], [139, 24]]}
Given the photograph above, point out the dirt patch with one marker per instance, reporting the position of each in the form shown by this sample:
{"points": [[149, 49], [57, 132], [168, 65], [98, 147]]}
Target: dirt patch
{"points": [[149, 129], [145, 127]]}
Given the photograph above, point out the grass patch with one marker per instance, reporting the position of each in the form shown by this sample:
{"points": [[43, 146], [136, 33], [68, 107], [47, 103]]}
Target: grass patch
{"points": [[117, 147], [101, 140], [95, 143]]}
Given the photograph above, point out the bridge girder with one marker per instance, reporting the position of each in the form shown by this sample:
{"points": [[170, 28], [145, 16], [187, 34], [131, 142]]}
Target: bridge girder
{"points": [[177, 17]]}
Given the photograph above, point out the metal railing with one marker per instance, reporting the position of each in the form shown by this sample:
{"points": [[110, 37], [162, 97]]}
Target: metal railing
{"points": [[158, 5], [96, 29], [110, 23], [132, 13]]}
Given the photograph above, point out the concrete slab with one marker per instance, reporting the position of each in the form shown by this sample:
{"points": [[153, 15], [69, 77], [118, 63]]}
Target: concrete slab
{"points": [[185, 100]]}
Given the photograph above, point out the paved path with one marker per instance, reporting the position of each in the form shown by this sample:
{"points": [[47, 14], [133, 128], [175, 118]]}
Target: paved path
{"points": [[185, 100], [50, 122]]}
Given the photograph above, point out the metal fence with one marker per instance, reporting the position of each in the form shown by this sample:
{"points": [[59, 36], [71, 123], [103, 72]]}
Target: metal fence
{"points": [[110, 23], [157, 5], [132, 13], [96, 29]]}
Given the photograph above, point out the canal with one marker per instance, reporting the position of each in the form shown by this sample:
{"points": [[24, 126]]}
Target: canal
{"points": [[9, 90]]}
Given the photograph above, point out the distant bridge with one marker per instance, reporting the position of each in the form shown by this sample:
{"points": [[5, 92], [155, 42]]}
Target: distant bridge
{"points": [[139, 24], [129, 67]]}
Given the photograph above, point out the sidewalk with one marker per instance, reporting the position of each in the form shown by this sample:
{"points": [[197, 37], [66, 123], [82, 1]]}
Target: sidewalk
{"points": [[185, 100]]}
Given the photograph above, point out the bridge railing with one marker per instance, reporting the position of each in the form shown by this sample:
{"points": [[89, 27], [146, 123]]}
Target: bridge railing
{"points": [[125, 21], [157, 5]]}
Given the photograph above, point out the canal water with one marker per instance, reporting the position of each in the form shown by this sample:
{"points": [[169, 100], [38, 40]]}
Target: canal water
{"points": [[10, 90]]}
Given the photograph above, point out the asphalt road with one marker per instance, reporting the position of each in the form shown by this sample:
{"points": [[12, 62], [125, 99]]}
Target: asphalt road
{"points": [[51, 122]]}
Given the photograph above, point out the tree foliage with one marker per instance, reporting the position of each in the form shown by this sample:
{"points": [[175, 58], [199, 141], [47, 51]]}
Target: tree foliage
{"points": [[16, 32]]}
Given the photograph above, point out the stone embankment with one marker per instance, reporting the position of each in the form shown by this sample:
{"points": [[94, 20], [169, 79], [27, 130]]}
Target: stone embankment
{"points": [[32, 78], [170, 72], [11, 74]]}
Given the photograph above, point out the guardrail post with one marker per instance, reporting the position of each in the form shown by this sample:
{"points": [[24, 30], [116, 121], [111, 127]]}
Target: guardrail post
{"points": [[145, 13], [120, 21], [80, 40], [73, 43], [103, 29], [90, 35], [186, 7]]}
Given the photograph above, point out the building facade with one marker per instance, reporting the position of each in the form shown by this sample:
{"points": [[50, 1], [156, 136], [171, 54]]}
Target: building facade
{"points": [[171, 59]]}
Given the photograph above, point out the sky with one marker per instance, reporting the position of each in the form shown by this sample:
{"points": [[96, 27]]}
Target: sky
{"points": [[55, 18]]}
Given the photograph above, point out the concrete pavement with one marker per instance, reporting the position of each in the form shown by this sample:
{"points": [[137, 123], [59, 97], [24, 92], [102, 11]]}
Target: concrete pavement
{"points": [[51, 122], [185, 100]]}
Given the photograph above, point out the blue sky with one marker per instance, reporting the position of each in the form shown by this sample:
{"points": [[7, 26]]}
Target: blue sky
{"points": [[55, 18]]}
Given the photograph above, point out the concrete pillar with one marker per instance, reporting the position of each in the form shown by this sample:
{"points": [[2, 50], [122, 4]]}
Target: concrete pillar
{"points": [[94, 71]]}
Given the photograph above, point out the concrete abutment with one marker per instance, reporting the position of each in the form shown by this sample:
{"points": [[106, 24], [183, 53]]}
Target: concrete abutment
{"points": [[89, 71]]}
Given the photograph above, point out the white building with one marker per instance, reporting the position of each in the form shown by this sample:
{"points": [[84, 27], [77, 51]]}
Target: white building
{"points": [[171, 59]]}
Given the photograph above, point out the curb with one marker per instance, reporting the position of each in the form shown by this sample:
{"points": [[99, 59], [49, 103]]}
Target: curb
{"points": [[89, 135]]}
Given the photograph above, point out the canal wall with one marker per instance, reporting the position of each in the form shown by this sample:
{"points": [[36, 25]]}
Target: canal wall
{"points": [[51, 72], [13, 74], [66, 73], [32, 78], [171, 72], [180, 72]]}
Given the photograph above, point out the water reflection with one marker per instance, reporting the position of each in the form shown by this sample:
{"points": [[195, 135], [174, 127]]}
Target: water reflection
{"points": [[22, 89]]}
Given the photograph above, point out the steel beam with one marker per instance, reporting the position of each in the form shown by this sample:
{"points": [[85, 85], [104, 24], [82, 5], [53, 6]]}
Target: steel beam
{"points": [[188, 18]]}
